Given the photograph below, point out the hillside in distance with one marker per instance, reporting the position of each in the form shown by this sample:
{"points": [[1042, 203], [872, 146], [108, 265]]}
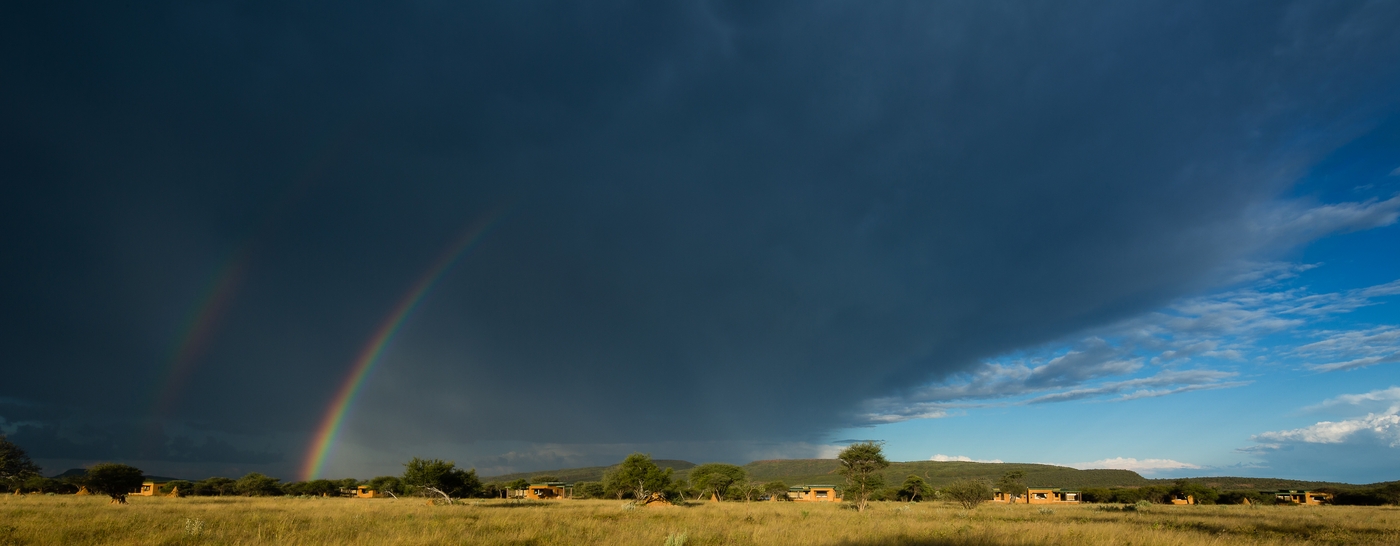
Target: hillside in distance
{"points": [[1264, 484], [824, 471], [940, 473], [583, 474]]}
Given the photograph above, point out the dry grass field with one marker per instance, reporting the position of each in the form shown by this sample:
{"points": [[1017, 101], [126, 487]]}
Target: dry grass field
{"points": [[73, 520]]}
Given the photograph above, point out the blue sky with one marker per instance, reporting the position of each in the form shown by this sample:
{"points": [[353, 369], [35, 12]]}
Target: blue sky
{"points": [[1290, 371]]}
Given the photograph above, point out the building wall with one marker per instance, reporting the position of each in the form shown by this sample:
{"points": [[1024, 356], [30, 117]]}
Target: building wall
{"points": [[544, 493]]}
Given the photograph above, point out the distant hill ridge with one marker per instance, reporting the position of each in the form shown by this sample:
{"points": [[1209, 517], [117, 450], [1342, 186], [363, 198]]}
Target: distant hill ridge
{"points": [[816, 471], [83, 472], [940, 473]]}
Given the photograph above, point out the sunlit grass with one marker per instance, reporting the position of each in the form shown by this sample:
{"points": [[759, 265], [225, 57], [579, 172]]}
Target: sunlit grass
{"points": [[38, 519]]}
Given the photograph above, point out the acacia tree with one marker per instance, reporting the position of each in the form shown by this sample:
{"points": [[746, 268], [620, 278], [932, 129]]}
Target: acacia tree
{"points": [[716, 478], [15, 465], [114, 480], [255, 484], [968, 492], [861, 464], [387, 484], [776, 490], [915, 488], [1013, 483], [439, 477], [748, 489], [640, 475]]}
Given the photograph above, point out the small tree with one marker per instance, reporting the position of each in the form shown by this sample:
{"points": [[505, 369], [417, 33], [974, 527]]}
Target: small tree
{"points": [[114, 480], [1202, 494], [861, 464], [589, 490], [15, 466], [748, 489], [257, 485], [391, 485], [716, 478], [215, 486], [178, 487], [776, 490], [439, 477], [638, 473], [1013, 483], [968, 492], [915, 489]]}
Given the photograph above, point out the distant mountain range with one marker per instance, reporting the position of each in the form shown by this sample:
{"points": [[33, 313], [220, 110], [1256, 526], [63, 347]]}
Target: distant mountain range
{"points": [[83, 472], [937, 473]]}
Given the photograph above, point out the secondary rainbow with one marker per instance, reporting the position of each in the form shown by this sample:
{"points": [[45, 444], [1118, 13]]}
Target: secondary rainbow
{"points": [[199, 328], [340, 405]]}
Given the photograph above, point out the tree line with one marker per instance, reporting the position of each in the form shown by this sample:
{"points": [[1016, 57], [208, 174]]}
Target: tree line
{"points": [[636, 477]]}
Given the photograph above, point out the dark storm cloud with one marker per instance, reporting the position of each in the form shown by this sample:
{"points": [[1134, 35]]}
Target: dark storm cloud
{"points": [[725, 221]]}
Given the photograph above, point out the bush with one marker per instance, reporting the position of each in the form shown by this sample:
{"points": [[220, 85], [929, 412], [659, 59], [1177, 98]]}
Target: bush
{"points": [[590, 490], [968, 492], [257, 485]]}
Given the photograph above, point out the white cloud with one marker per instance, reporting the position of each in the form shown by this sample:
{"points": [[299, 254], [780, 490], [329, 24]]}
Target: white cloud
{"points": [[1381, 426], [1395, 172], [961, 458], [1143, 466], [1383, 395]]}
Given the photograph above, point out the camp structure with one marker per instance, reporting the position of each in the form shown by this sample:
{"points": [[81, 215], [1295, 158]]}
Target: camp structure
{"points": [[148, 489], [1183, 499], [1038, 495], [364, 492], [814, 493], [545, 491], [1045, 495], [1313, 498], [1001, 496]]}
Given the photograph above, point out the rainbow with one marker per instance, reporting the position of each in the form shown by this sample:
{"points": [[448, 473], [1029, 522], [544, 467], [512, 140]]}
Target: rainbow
{"points": [[200, 324], [199, 328], [340, 405]]}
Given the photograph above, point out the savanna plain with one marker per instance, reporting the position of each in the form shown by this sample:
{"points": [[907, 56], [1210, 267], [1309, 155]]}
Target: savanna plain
{"points": [[80, 520]]}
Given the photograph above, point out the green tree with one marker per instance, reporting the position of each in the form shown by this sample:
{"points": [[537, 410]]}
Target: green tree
{"points": [[1013, 483], [257, 485], [747, 489], [439, 477], [968, 492], [518, 484], [387, 484], [544, 478], [638, 475], [915, 489], [180, 487], [776, 490], [15, 465], [215, 486], [589, 490], [1202, 494], [861, 464], [716, 478], [612, 486], [40, 484], [114, 480]]}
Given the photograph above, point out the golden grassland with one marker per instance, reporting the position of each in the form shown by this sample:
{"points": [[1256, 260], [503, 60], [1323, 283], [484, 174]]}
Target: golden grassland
{"points": [[69, 519]]}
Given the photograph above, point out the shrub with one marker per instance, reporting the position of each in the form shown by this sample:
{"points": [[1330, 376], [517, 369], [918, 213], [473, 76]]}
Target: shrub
{"points": [[968, 492]]}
